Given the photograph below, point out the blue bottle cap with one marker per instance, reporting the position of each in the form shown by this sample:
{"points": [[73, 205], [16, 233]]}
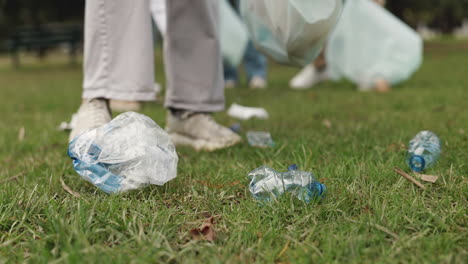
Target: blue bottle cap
{"points": [[292, 167], [417, 163], [321, 189]]}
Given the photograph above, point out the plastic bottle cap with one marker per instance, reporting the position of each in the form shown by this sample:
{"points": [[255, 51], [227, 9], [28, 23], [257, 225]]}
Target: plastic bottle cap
{"points": [[292, 167], [322, 188], [417, 163]]}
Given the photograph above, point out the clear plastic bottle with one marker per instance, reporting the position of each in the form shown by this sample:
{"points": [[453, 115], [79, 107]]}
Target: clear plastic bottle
{"points": [[267, 184], [424, 150], [97, 173], [260, 139]]}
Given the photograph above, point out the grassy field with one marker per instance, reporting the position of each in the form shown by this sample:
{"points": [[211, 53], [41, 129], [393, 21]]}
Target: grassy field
{"points": [[370, 215]]}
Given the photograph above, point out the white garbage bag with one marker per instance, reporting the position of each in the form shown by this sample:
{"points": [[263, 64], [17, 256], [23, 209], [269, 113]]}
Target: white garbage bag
{"points": [[233, 34], [127, 153], [158, 12], [290, 31], [369, 43]]}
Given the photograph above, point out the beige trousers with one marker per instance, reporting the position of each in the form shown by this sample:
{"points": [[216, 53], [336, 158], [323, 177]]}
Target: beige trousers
{"points": [[119, 59]]}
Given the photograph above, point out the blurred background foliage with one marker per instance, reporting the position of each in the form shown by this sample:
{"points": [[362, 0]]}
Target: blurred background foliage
{"points": [[441, 15]]}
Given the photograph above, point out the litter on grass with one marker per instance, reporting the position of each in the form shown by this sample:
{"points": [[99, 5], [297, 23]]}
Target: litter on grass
{"points": [[423, 151], [127, 153], [260, 139], [246, 112], [427, 178], [267, 184]]}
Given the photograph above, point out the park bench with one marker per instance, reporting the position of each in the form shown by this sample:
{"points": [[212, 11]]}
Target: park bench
{"points": [[43, 38]]}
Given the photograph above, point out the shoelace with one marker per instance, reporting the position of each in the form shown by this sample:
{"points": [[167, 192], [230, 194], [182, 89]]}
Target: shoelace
{"points": [[95, 107], [210, 119]]}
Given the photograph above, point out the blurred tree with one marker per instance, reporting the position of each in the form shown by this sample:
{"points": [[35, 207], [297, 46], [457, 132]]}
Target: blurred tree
{"points": [[16, 13], [444, 15]]}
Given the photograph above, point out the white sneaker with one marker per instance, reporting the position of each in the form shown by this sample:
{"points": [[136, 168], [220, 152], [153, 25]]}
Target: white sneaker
{"points": [[257, 82], [308, 77], [92, 113], [199, 131], [125, 106]]}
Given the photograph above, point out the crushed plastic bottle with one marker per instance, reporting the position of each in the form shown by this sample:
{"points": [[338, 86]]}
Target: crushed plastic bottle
{"points": [[127, 153], [424, 150], [260, 139], [267, 184]]}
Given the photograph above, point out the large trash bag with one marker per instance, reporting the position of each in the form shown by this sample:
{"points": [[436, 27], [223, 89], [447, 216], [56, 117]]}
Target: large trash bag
{"points": [[290, 31], [159, 14], [233, 34], [369, 43], [129, 152]]}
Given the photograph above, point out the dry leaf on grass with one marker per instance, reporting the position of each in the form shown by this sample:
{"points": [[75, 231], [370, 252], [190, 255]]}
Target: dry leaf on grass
{"points": [[427, 178], [69, 190], [21, 133], [327, 123], [205, 232]]}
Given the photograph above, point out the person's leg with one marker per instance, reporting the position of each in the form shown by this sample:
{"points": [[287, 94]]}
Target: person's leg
{"points": [[193, 56], [118, 59], [255, 63], [194, 75], [255, 66], [230, 75]]}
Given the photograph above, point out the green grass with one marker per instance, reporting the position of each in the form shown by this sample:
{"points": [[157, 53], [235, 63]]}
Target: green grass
{"points": [[371, 214]]}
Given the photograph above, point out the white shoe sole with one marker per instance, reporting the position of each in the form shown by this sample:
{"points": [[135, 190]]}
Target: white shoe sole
{"points": [[201, 144]]}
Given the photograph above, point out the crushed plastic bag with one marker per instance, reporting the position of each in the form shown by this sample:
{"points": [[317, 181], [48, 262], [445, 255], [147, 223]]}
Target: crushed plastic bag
{"points": [[127, 153], [369, 44], [233, 34], [290, 31]]}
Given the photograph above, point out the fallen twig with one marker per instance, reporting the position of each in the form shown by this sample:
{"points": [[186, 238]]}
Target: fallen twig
{"points": [[69, 190], [407, 176]]}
